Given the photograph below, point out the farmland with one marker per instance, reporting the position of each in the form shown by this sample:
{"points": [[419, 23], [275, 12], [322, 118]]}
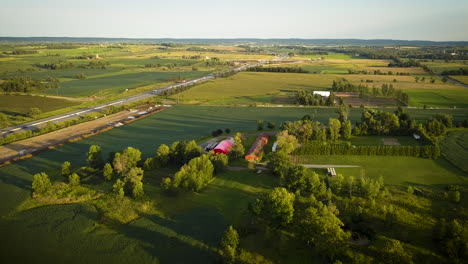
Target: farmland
{"points": [[280, 88], [192, 223], [384, 198], [118, 83]]}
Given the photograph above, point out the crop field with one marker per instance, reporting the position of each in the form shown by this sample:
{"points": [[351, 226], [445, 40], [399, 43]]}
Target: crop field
{"points": [[117, 83], [440, 66], [126, 66], [279, 88], [21, 104], [397, 170], [455, 148]]}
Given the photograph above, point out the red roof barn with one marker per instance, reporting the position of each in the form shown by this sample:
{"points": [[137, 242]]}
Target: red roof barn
{"points": [[224, 146]]}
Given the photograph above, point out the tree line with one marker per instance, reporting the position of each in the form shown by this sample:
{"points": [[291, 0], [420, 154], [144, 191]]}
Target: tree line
{"points": [[277, 69], [386, 90], [316, 148], [460, 71], [27, 85], [309, 98]]}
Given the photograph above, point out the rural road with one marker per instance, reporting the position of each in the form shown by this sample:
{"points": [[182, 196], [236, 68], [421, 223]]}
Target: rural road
{"points": [[67, 116], [316, 166]]}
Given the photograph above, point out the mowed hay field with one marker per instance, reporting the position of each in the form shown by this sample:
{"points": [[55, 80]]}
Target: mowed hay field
{"points": [[279, 88], [21, 104]]}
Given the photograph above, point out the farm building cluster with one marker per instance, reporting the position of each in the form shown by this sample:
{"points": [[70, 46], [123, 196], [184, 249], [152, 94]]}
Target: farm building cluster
{"points": [[254, 153]]}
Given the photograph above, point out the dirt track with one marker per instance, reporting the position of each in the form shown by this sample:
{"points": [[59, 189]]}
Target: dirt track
{"points": [[27, 147]]}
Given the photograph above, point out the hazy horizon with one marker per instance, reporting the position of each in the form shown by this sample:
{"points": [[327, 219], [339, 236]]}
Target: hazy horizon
{"points": [[208, 19]]}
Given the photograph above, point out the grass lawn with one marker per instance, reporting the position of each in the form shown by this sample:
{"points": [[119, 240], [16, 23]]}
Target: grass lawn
{"points": [[395, 170]]}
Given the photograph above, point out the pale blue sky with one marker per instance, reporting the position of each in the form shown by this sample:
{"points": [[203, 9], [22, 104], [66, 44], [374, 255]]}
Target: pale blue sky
{"points": [[395, 19]]}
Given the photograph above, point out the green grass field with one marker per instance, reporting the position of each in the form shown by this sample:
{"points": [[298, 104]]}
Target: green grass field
{"points": [[21, 104], [395, 170], [455, 148]]}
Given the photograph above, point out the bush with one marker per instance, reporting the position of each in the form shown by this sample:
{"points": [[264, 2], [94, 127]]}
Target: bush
{"points": [[260, 125]]}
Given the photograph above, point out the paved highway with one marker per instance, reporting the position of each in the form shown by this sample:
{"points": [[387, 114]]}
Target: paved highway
{"points": [[67, 116]]}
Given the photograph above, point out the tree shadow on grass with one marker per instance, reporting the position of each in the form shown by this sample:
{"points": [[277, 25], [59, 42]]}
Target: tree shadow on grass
{"points": [[191, 237]]}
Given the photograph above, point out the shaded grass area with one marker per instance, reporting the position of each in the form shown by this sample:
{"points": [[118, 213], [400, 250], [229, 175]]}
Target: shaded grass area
{"points": [[455, 148]]}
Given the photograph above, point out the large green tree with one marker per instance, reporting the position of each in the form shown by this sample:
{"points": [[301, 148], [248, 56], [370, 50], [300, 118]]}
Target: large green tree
{"points": [[66, 169], [237, 150], [41, 183], [334, 129], [276, 207], [229, 244], [320, 228], [194, 175], [126, 160], [286, 142], [94, 157]]}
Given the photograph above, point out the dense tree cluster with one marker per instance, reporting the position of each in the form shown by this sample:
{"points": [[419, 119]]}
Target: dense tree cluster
{"points": [[452, 239], [460, 71], [193, 176], [386, 90], [377, 72], [309, 98], [55, 66], [26, 85], [397, 62], [317, 148]]}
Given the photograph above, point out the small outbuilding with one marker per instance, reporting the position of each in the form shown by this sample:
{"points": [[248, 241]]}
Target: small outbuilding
{"points": [[322, 93]]}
